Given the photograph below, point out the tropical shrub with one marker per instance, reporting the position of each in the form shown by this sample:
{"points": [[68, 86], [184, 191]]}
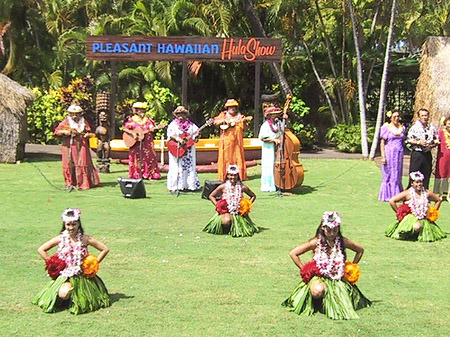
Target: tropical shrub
{"points": [[44, 115], [347, 138]]}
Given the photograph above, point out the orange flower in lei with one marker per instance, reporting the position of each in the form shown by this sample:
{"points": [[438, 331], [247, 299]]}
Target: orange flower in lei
{"points": [[90, 266], [432, 214], [245, 206], [351, 272]]}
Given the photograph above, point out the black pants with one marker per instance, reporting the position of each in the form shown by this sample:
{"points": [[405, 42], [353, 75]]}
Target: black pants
{"points": [[421, 161]]}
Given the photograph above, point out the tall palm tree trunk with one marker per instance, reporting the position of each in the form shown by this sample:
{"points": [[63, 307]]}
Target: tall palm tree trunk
{"points": [[384, 77], [258, 29], [361, 95]]}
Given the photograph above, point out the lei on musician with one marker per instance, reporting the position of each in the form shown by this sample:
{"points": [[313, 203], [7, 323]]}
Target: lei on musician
{"points": [[142, 161], [415, 217], [73, 270], [269, 133], [328, 282], [233, 208], [78, 169], [231, 145], [182, 174]]}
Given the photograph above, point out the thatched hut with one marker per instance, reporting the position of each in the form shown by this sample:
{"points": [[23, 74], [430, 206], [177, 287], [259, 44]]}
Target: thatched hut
{"points": [[433, 86], [13, 119]]}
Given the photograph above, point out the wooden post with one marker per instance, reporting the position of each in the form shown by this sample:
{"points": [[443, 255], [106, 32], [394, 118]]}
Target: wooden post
{"points": [[184, 78], [257, 116], [112, 100]]}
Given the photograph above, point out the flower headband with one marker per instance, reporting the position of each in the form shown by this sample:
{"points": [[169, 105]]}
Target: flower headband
{"points": [[331, 219], [417, 175], [71, 214], [233, 169]]}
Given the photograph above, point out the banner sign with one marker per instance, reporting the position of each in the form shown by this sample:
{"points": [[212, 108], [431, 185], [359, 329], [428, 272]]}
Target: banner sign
{"points": [[181, 48]]}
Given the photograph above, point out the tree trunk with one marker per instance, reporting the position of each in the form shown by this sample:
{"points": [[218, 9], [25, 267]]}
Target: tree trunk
{"points": [[258, 29], [384, 77], [362, 98]]}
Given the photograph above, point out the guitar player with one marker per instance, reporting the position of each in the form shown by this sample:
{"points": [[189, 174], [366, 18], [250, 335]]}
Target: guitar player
{"points": [[138, 135]]}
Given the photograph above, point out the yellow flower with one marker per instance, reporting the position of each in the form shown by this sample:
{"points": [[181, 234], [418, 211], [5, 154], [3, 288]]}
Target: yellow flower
{"points": [[90, 266], [245, 206], [351, 272], [432, 214]]}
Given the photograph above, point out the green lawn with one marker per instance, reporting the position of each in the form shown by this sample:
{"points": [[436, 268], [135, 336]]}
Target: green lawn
{"points": [[168, 278]]}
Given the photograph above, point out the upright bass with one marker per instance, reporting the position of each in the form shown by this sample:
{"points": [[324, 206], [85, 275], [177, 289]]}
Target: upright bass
{"points": [[289, 172]]}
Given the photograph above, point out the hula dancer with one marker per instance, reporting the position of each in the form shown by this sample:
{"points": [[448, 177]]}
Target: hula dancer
{"points": [[328, 282], [73, 270], [416, 218], [232, 209]]}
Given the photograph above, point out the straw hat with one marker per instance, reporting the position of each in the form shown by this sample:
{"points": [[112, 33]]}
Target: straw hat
{"points": [[74, 109], [140, 105], [231, 102], [180, 109], [272, 110]]}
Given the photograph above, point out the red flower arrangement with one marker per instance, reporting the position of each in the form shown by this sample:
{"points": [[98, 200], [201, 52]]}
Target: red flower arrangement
{"points": [[54, 265], [309, 270], [402, 211], [222, 206]]}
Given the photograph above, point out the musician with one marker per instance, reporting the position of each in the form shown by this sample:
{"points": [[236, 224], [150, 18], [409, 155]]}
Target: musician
{"points": [[142, 162], [182, 174], [269, 133], [78, 170], [231, 146]]}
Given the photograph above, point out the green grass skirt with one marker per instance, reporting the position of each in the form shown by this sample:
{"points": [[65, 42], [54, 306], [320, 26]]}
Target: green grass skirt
{"points": [[404, 230], [88, 294], [341, 300], [240, 226]]}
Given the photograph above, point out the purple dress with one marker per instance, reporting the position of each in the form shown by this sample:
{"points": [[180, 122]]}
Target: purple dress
{"points": [[392, 170]]}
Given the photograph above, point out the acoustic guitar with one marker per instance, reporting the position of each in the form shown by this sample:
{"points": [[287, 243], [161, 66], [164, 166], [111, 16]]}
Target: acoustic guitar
{"points": [[179, 150], [137, 135]]}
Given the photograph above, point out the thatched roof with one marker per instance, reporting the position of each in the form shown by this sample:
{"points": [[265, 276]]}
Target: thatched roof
{"points": [[433, 86], [13, 97]]}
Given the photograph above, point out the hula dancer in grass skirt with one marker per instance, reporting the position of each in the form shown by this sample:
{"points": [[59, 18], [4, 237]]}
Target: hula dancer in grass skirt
{"points": [[328, 282], [232, 209], [73, 270], [415, 217]]}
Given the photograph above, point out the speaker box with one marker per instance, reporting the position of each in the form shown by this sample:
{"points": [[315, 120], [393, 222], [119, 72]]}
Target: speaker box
{"points": [[210, 186], [132, 188]]}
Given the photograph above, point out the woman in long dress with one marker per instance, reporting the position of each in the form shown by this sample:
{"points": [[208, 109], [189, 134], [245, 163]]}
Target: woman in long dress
{"points": [[269, 133], [391, 147], [328, 283], [78, 169], [182, 174], [442, 172]]}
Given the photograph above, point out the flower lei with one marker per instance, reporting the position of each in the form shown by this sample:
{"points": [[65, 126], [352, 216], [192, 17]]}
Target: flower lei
{"points": [[419, 206], [72, 255], [447, 138], [185, 125], [330, 265], [397, 131], [275, 127], [138, 120], [80, 126], [233, 195]]}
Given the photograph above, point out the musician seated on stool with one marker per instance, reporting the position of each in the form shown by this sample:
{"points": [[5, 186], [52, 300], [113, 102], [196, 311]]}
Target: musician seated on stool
{"points": [[182, 174], [142, 161]]}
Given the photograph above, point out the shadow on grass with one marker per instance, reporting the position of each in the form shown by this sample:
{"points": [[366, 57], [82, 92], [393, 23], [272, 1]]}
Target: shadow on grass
{"points": [[302, 189], [118, 296]]}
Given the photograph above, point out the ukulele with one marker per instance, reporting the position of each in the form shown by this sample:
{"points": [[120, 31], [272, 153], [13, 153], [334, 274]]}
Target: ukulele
{"points": [[130, 137], [179, 150]]}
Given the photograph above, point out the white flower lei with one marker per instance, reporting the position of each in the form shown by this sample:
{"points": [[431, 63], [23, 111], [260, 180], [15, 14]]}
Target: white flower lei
{"points": [[419, 206], [330, 265], [233, 196], [72, 255], [77, 126]]}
